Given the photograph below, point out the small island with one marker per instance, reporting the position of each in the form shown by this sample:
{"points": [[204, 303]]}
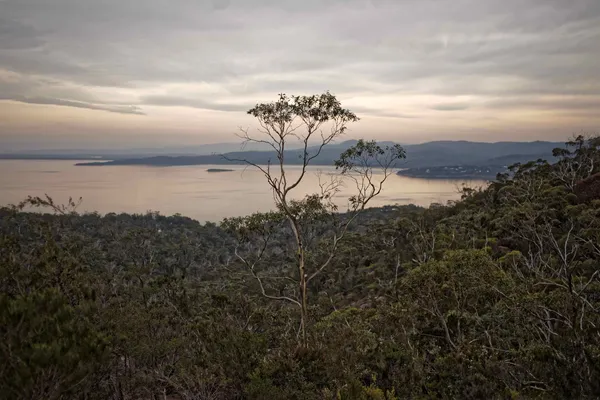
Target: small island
{"points": [[218, 170]]}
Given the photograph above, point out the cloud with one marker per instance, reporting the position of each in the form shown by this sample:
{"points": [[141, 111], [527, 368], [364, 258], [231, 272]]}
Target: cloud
{"points": [[76, 104], [450, 107], [559, 103], [388, 114], [15, 35], [418, 56], [380, 113], [169, 101], [117, 43]]}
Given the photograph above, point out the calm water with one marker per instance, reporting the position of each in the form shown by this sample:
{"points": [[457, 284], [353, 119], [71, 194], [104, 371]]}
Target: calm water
{"points": [[189, 190]]}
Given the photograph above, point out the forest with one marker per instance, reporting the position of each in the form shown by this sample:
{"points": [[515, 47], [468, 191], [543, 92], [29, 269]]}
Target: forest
{"points": [[495, 296]]}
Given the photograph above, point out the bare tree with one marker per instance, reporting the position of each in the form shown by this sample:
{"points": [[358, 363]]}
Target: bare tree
{"points": [[580, 162], [48, 203], [315, 122]]}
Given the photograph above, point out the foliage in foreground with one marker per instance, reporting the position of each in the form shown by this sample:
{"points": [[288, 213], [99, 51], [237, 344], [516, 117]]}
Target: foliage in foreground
{"points": [[495, 296]]}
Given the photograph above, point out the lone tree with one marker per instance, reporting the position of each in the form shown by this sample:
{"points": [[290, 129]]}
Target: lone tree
{"points": [[317, 227]]}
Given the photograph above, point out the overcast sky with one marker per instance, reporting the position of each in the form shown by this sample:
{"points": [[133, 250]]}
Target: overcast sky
{"points": [[109, 73]]}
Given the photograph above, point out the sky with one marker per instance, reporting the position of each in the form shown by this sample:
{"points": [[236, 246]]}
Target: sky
{"points": [[143, 73]]}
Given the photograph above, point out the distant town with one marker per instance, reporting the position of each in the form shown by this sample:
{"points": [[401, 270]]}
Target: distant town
{"points": [[454, 172]]}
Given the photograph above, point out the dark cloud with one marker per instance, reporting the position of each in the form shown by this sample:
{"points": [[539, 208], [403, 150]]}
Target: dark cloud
{"points": [[15, 35], [77, 104]]}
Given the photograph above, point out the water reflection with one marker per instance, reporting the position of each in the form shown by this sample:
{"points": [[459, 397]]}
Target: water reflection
{"points": [[189, 190]]}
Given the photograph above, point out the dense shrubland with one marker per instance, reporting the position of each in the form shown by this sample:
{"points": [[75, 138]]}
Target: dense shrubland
{"points": [[494, 296]]}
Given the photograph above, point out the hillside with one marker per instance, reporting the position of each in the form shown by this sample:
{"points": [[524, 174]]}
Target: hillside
{"points": [[431, 154], [495, 296]]}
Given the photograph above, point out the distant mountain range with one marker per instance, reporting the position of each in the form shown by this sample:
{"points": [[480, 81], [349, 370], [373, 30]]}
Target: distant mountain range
{"points": [[125, 153], [430, 154]]}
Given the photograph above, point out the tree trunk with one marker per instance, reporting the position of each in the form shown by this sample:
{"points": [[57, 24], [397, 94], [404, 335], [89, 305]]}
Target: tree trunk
{"points": [[301, 279], [303, 297]]}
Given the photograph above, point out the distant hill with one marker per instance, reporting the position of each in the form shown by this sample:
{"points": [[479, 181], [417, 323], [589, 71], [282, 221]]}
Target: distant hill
{"points": [[445, 153], [430, 154], [519, 158]]}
